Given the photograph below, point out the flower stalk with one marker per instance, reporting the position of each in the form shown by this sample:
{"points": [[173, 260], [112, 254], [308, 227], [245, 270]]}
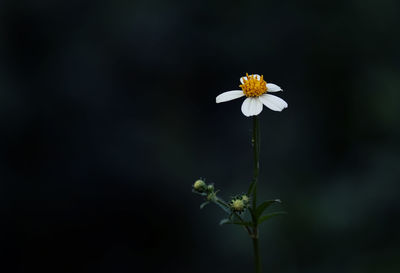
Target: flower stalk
{"points": [[256, 151]]}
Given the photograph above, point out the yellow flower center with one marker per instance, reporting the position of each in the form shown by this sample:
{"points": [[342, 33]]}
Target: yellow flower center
{"points": [[254, 87]]}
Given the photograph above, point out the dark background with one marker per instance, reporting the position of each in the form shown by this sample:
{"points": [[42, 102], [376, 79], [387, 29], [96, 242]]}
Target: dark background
{"points": [[108, 116]]}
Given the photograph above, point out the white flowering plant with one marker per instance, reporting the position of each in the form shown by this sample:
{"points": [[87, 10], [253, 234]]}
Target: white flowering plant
{"points": [[243, 209]]}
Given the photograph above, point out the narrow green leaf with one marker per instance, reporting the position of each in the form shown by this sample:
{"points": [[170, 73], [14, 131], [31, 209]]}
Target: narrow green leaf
{"points": [[251, 188], [204, 204], [262, 207], [270, 215], [225, 221]]}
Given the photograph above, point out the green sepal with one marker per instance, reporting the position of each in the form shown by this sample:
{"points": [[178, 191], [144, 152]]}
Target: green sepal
{"points": [[270, 215], [199, 193], [263, 206], [204, 204]]}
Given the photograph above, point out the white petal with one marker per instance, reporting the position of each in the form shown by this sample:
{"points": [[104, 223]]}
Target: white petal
{"points": [[252, 107], [258, 77], [273, 102], [273, 87], [242, 79], [257, 107], [230, 95]]}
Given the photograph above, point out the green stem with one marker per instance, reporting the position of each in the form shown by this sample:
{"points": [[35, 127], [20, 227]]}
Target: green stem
{"points": [[256, 151], [257, 261]]}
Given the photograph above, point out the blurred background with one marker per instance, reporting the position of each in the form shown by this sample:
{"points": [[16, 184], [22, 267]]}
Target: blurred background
{"points": [[108, 115]]}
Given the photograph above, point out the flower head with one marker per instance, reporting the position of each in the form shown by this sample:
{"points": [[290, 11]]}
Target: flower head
{"points": [[237, 205], [200, 185], [256, 89]]}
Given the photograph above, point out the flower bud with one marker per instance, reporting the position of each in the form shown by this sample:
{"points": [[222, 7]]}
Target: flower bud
{"points": [[200, 186], [245, 199]]}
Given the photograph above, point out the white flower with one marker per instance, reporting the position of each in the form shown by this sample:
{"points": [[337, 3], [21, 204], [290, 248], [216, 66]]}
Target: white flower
{"points": [[255, 89]]}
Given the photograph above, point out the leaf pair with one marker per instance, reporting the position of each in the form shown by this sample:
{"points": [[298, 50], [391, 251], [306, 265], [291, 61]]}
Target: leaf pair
{"points": [[262, 207], [230, 221], [270, 215]]}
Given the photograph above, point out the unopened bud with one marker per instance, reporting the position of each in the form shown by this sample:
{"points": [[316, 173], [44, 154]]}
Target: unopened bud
{"points": [[200, 185]]}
